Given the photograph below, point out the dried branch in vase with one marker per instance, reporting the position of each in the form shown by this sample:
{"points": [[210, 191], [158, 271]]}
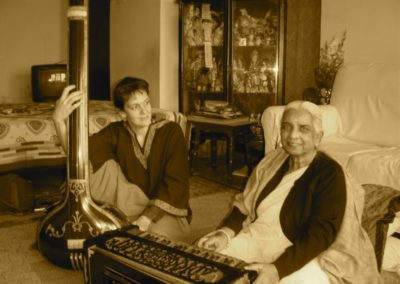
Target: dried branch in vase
{"points": [[330, 60]]}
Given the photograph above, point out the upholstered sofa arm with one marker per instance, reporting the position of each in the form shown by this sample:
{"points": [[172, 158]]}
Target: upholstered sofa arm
{"points": [[380, 208], [175, 116], [271, 119]]}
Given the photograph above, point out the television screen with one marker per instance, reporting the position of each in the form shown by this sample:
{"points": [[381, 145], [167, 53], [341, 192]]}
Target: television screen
{"points": [[48, 81]]}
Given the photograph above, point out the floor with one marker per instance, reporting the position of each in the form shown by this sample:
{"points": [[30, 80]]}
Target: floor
{"points": [[21, 262], [201, 166]]}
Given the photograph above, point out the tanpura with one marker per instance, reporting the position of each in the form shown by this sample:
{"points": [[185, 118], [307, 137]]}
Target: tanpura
{"points": [[64, 229]]}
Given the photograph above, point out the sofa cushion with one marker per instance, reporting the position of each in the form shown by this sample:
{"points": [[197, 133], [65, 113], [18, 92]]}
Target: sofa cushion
{"points": [[367, 163], [343, 149], [162, 114], [367, 96], [379, 167]]}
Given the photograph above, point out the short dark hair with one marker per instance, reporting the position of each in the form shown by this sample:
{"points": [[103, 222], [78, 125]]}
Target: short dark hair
{"points": [[126, 87]]}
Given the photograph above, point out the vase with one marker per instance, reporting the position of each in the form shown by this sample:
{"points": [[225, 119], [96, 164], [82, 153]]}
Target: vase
{"points": [[325, 96]]}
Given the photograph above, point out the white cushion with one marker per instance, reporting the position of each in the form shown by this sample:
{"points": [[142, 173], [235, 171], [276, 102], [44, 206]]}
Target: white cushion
{"points": [[342, 149], [331, 121], [377, 167], [367, 96]]}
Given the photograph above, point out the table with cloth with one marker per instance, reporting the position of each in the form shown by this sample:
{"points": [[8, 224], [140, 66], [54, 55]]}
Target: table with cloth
{"points": [[28, 137]]}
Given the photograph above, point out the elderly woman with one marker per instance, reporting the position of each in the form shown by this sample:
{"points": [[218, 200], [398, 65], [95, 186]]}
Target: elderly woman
{"points": [[298, 219], [139, 166]]}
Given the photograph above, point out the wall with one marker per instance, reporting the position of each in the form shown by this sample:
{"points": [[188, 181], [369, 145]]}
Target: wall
{"points": [[143, 36], [146, 46], [144, 43], [135, 41], [373, 33], [30, 35], [169, 57]]}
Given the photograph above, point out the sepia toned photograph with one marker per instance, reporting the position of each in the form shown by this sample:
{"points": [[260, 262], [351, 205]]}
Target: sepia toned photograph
{"points": [[200, 141]]}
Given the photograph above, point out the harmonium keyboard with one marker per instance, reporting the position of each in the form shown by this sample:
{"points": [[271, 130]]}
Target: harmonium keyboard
{"points": [[140, 257]]}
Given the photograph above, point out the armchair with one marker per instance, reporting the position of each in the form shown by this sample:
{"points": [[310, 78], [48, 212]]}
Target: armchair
{"points": [[360, 125], [361, 131]]}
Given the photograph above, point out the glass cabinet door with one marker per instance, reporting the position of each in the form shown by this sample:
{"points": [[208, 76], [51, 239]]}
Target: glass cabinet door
{"points": [[231, 52], [254, 56], [203, 53]]}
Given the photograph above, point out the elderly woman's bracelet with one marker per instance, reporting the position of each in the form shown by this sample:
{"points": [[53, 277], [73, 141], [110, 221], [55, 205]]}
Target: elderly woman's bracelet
{"points": [[227, 236]]}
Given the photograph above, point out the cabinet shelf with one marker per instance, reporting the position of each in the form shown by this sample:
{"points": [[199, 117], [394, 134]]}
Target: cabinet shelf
{"points": [[202, 46], [252, 93], [205, 92], [273, 47]]}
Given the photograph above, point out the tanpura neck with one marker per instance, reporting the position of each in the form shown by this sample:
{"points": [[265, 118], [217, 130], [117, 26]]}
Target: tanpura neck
{"points": [[296, 163]]}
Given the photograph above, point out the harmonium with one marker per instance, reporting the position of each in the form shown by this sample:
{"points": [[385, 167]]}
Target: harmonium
{"points": [[134, 256]]}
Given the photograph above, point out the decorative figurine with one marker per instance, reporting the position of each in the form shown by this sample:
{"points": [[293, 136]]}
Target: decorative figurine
{"points": [[238, 76], [242, 41], [253, 31], [212, 74], [195, 67], [218, 84], [254, 64], [203, 82], [190, 36], [270, 35], [264, 76], [198, 31], [250, 38], [188, 25], [258, 41], [218, 35], [244, 22]]}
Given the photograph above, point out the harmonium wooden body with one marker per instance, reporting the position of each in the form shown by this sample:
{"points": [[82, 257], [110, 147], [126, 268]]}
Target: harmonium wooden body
{"points": [[140, 257]]}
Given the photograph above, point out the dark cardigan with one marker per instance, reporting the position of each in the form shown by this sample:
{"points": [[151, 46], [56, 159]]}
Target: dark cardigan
{"points": [[311, 214]]}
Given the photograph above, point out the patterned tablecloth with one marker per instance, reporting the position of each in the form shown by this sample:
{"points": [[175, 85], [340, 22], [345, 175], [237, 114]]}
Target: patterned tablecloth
{"points": [[28, 137]]}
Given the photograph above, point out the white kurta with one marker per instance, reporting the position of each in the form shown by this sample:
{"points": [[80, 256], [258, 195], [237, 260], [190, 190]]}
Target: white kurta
{"points": [[263, 240]]}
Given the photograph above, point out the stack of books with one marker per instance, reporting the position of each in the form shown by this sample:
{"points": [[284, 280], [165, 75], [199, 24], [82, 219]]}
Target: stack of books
{"points": [[218, 109]]}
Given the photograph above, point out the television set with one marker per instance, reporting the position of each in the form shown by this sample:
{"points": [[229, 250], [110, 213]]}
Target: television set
{"points": [[48, 81]]}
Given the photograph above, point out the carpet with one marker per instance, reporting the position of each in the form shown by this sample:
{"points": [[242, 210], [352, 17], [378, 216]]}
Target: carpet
{"points": [[21, 262]]}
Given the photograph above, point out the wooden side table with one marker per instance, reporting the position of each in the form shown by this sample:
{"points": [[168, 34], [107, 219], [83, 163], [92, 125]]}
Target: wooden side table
{"points": [[230, 127]]}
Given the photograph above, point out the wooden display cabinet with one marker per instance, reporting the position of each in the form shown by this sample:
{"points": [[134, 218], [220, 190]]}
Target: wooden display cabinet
{"points": [[249, 54]]}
